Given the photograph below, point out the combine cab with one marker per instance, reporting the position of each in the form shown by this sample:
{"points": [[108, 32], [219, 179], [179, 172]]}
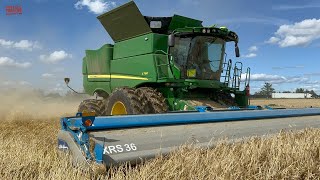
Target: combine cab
{"points": [[165, 82]]}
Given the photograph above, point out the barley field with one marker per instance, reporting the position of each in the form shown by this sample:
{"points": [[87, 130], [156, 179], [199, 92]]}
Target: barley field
{"points": [[28, 142], [287, 103]]}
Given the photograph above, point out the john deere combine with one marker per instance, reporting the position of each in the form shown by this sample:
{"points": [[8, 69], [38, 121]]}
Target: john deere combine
{"points": [[166, 78], [160, 63]]}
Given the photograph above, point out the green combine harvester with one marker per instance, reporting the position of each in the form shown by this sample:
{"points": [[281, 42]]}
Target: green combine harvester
{"points": [[165, 82], [160, 64]]}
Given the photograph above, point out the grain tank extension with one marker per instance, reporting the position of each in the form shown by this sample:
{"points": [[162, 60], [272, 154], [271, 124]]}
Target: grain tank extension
{"points": [[160, 64]]}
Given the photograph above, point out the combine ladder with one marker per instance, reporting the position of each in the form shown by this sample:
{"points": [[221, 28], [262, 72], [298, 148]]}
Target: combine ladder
{"points": [[227, 69], [236, 79]]}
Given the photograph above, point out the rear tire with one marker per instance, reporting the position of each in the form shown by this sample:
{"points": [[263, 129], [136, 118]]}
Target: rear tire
{"points": [[125, 101], [92, 105], [156, 102]]}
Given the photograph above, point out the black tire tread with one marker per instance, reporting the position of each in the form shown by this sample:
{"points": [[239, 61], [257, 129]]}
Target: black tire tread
{"points": [[92, 105], [136, 99], [156, 101]]}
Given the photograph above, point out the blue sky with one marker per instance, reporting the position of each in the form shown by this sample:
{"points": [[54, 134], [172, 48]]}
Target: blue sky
{"points": [[279, 40]]}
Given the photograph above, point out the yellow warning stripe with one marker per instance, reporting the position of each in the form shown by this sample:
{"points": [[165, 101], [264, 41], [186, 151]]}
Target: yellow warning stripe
{"points": [[127, 77], [98, 76], [116, 77]]}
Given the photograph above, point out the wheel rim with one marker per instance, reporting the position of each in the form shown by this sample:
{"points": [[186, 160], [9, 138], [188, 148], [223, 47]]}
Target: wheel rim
{"points": [[118, 108]]}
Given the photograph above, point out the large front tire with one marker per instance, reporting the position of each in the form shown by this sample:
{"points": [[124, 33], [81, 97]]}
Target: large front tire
{"points": [[125, 101]]}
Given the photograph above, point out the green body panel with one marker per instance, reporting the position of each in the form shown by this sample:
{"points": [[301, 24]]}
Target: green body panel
{"points": [[241, 99], [90, 87], [132, 71], [142, 66], [84, 66], [182, 22], [146, 44], [98, 62], [140, 57]]}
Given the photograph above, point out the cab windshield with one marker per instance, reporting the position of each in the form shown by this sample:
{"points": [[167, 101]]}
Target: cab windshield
{"points": [[199, 57]]}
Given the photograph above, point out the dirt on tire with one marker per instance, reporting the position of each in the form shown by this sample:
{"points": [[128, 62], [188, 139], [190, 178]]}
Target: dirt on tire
{"points": [[131, 98], [90, 105], [156, 103]]}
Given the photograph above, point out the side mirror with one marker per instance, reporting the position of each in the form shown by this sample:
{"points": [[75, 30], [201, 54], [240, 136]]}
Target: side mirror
{"points": [[67, 80], [237, 51], [171, 40]]}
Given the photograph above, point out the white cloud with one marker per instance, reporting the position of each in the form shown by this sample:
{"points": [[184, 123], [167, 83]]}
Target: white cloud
{"points": [[273, 40], [55, 57], [95, 6], [6, 43], [27, 45], [8, 62], [314, 87], [250, 55], [266, 77], [276, 79], [48, 75], [253, 49], [252, 52], [23, 44], [297, 34]]}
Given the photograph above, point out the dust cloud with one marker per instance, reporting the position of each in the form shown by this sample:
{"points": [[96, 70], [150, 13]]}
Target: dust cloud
{"points": [[31, 102]]}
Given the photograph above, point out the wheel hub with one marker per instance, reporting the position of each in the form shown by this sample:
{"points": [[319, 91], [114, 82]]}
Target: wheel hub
{"points": [[118, 108]]}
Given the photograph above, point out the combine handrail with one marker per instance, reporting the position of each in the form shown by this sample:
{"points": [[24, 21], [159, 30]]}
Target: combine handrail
{"points": [[247, 81], [237, 75]]}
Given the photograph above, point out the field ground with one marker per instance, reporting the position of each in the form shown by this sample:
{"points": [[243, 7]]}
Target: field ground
{"points": [[288, 103], [28, 150]]}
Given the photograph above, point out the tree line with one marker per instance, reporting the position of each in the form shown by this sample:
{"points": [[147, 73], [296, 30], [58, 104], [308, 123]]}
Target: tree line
{"points": [[267, 90]]}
